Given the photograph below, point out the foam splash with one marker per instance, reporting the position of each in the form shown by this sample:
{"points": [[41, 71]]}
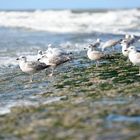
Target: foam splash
{"points": [[113, 21]]}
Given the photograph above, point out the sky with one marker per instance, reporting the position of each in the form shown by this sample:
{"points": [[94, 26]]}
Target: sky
{"points": [[68, 4]]}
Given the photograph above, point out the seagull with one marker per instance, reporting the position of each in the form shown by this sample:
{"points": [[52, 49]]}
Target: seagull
{"points": [[127, 36], [110, 43], [131, 39], [54, 58], [134, 56], [125, 45], [30, 67], [52, 52], [55, 52], [96, 43], [40, 54], [94, 54]]}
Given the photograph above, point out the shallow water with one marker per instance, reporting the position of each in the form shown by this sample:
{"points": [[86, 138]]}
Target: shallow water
{"points": [[121, 118]]}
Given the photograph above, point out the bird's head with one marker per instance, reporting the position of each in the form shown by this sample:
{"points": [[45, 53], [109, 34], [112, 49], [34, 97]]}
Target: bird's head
{"points": [[131, 48], [40, 52], [127, 36], [98, 40], [22, 58]]}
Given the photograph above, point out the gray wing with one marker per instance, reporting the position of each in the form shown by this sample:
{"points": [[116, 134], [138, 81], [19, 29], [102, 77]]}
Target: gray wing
{"points": [[37, 65], [59, 60]]}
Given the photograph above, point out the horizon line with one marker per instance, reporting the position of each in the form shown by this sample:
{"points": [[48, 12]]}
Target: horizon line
{"points": [[33, 9]]}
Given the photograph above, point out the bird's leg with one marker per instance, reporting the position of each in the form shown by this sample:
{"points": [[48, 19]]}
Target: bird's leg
{"points": [[31, 79], [139, 72], [52, 72], [97, 64], [128, 60]]}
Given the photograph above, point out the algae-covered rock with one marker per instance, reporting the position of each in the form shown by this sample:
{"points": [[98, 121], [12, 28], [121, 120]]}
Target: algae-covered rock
{"points": [[88, 96]]}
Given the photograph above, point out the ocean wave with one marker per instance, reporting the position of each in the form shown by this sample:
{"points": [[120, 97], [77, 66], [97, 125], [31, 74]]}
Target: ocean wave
{"points": [[67, 21]]}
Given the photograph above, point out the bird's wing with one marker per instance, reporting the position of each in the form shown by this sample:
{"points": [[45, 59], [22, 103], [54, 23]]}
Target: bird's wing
{"points": [[59, 60], [112, 42], [100, 54], [36, 65], [32, 64]]}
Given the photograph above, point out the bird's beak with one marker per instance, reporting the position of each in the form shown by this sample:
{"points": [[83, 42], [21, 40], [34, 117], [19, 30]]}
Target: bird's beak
{"points": [[17, 59], [38, 59]]}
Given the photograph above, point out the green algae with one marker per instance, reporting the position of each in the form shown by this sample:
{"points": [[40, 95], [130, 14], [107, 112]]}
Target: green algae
{"points": [[78, 115]]}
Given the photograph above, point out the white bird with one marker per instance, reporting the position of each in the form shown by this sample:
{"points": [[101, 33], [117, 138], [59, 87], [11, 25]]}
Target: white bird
{"points": [[131, 39], [125, 47], [110, 43], [30, 67], [127, 36], [52, 52], [134, 56], [54, 58], [97, 43], [40, 54], [55, 52], [94, 54]]}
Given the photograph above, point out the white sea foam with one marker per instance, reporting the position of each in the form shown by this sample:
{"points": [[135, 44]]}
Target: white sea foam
{"points": [[66, 21]]}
